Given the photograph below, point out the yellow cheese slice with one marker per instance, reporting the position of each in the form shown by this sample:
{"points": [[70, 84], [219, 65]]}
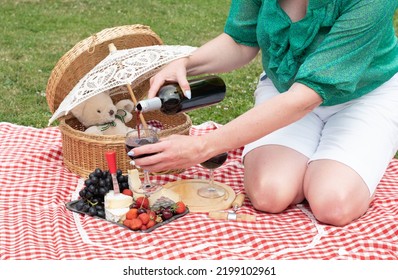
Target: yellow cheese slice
{"points": [[134, 180]]}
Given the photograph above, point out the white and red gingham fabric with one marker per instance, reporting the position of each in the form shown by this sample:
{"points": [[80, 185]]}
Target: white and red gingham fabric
{"points": [[34, 223]]}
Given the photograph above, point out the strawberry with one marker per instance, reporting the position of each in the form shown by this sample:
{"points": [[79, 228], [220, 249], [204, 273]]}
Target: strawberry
{"points": [[143, 227], [179, 207], [135, 224], [144, 217], [151, 223], [142, 202], [127, 223], [127, 192], [152, 214], [132, 214]]}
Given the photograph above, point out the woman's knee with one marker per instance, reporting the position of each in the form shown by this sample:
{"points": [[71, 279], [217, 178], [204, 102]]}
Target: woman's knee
{"points": [[332, 211], [338, 208], [336, 194], [273, 177], [272, 194]]}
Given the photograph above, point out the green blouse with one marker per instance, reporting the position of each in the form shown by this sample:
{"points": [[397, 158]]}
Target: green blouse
{"points": [[342, 49]]}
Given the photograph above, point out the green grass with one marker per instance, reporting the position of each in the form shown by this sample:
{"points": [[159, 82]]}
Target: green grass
{"points": [[36, 33]]}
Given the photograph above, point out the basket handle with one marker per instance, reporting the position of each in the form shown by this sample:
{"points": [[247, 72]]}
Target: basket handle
{"points": [[112, 48], [143, 121]]}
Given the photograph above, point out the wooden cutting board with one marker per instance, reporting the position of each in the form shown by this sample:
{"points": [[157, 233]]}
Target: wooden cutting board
{"points": [[187, 189]]}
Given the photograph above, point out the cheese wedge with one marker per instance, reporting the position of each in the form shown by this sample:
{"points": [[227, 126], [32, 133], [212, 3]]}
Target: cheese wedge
{"points": [[116, 215], [116, 206], [117, 201]]}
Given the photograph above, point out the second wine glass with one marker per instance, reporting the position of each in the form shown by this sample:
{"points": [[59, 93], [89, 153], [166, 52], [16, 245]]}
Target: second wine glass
{"points": [[136, 138], [212, 190]]}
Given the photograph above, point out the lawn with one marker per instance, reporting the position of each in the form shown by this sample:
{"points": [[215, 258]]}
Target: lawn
{"points": [[36, 33]]}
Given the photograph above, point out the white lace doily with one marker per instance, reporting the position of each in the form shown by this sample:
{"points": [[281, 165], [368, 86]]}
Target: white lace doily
{"points": [[119, 68]]}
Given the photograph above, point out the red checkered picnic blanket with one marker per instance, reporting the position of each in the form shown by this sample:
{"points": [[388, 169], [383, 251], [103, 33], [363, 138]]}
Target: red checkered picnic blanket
{"points": [[34, 223]]}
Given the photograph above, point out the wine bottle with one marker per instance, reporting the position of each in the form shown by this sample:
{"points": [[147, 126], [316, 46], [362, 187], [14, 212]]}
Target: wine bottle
{"points": [[205, 91]]}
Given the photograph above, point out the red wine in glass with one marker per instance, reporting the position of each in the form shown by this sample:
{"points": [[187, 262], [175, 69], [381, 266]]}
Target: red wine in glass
{"points": [[215, 162], [136, 138], [132, 143], [211, 190]]}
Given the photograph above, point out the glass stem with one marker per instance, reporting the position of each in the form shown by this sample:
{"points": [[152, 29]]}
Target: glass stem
{"points": [[147, 181], [211, 181]]}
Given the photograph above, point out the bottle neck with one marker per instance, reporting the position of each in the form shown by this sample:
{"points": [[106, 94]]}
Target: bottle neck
{"points": [[205, 92], [150, 104]]}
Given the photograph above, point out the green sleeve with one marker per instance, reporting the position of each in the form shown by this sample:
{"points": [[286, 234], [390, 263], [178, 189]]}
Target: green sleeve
{"points": [[356, 54], [241, 23]]}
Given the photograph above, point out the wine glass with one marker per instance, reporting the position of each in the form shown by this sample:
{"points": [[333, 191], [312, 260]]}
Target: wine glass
{"points": [[212, 190], [136, 138]]}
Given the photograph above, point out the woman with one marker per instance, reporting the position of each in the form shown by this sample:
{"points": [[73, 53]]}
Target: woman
{"points": [[325, 124]]}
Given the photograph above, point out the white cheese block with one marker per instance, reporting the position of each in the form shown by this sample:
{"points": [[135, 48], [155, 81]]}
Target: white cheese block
{"points": [[116, 215], [117, 201]]}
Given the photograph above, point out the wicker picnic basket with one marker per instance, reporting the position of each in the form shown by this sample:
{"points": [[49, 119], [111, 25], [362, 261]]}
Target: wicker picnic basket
{"points": [[83, 152]]}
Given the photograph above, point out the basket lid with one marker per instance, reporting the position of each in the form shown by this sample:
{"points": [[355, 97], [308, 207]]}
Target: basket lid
{"points": [[86, 54]]}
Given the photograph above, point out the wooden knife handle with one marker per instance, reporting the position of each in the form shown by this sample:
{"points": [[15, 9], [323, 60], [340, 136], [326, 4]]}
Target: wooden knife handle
{"points": [[219, 215], [238, 201], [245, 217]]}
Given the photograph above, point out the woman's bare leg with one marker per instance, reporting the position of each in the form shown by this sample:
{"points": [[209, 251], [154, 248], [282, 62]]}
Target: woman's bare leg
{"points": [[336, 193], [274, 177]]}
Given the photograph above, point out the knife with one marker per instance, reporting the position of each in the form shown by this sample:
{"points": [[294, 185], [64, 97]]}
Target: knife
{"points": [[232, 215], [111, 159]]}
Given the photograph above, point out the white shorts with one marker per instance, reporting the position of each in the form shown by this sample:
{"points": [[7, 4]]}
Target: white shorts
{"points": [[361, 133]]}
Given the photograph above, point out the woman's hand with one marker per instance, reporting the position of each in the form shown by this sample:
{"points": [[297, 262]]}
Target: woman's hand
{"points": [[175, 71], [220, 55], [173, 152]]}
